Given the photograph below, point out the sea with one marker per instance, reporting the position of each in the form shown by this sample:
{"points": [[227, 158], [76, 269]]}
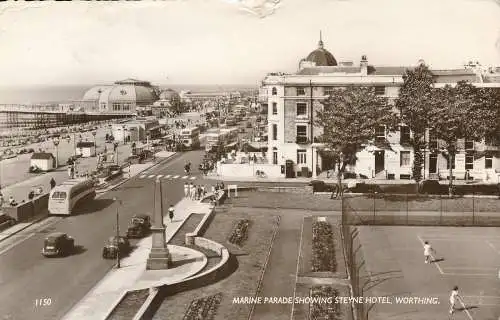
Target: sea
{"points": [[66, 93]]}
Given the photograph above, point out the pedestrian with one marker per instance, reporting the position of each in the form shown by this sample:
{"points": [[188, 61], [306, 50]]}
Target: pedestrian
{"points": [[12, 201], [193, 192], [52, 183], [213, 189], [70, 169], [186, 190], [428, 250], [171, 213], [222, 186], [31, 195], [2, 200], [203, 190], [454, 296]]}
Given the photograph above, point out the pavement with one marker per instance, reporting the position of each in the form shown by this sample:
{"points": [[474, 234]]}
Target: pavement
{"points": [[132, 275]]}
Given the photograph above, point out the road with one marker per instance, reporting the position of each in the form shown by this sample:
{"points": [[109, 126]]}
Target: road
{"points": [[25, 275]]}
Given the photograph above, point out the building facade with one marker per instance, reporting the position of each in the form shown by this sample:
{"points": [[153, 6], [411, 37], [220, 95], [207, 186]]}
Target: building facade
{"points": [[293, 99]]}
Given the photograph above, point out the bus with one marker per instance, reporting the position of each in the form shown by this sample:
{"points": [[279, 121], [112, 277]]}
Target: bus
{"points": [[214, 139], [230, 135], [64, 197], [231, 120], [190, 138]]}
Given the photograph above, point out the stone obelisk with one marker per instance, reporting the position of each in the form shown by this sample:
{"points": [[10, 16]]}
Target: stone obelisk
{"points": [[159, 257]]}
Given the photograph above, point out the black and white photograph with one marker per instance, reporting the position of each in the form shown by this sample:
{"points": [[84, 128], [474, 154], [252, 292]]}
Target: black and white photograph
{"points": [[250, 160]]}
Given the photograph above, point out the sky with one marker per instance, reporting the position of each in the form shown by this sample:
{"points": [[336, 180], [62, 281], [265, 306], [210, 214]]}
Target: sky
{"points": [[234, 41]]}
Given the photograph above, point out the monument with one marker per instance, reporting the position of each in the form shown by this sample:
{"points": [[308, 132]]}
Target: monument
{"points": [[159, 257]]}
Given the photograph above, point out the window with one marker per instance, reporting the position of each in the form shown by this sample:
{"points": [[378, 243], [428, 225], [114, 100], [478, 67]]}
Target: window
{"points": [[432, 140], [126, 106], [274, 91], [116, 107], [301, 134], [405, 134], [59, 195], [275, 132], [301, 157], [301, 91], [469, 145], [452, 160], [103, 105], [380, 132], [275, 157], [488, 161], [404, 160], [329, 91], [380, 90], [469, 161], [275, 108], [301, 109]]}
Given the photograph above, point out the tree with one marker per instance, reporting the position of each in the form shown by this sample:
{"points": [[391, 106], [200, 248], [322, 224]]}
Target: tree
{"points": [[460, 113], [349, 118], [415, 103]]}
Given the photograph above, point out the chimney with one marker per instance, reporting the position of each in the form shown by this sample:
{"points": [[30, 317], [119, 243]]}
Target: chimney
{"points": [[364, 65]]}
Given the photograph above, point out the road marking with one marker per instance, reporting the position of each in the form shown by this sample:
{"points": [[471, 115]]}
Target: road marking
{"points": [[159, 176], [492, 247], [185, 177], [176, 177], [192, 178], [433, 258], [151, 176]]}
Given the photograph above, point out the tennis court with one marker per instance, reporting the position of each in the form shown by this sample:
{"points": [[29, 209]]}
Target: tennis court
{"points": [[466, 257]]}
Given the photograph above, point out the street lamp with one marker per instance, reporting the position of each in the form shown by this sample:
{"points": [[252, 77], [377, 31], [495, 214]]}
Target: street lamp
{"points": [[55, 141], [115, 145], [117, 232], [95, 143]]}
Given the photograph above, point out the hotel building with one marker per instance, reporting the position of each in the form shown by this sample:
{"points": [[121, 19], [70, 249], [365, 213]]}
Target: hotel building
{"points": [[293, 99]]}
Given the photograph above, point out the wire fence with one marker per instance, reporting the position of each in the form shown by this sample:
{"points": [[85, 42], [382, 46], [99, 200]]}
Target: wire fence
{"points": [[420, 210]]}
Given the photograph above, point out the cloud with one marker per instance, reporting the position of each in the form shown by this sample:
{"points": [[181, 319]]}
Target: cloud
{"points": [[259, 8]]}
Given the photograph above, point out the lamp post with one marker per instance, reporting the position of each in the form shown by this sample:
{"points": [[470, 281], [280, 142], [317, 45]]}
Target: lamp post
{"points": [[95, 143], [55, 141], [115, 145], [117, 232]]}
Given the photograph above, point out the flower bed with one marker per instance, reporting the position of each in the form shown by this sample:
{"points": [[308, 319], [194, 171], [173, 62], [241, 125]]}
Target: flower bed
{"points": [[203, 308], [323, 248], [240, 232], [323, 304]]}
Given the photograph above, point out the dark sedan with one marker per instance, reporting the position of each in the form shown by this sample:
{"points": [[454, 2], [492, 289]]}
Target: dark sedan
{"points": [[114, 246]]}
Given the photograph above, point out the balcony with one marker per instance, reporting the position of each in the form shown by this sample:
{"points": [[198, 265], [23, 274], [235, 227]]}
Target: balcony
{"points": [[302, 140]]}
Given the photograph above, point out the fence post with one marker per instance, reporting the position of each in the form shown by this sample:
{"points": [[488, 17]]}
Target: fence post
{"points": [[440, 209], [473, 208], [373, 194], [407, 208]]}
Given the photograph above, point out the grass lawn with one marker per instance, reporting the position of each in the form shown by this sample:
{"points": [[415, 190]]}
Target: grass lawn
{"points": [[243, 282]]}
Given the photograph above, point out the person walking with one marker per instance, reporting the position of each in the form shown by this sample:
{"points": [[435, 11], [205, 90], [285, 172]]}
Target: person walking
{"points": [[186, 190], [428, 251], [193, 191], [52, 183], [454, 296], [171, 213]]}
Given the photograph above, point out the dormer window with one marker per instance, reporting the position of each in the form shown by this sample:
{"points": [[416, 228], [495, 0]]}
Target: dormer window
{"points": [[274, 91]]}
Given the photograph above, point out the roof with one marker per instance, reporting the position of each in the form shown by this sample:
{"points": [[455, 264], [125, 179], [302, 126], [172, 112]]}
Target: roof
{"points": [[321, 56], [55, 235], [42, 156], [85, 144]]}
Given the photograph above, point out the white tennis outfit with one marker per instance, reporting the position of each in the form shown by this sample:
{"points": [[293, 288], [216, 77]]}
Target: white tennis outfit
{"points": [[453, 298], [427, 250]]}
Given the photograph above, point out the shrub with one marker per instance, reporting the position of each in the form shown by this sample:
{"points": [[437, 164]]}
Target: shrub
{"points": [[240, 232], [321, 310], [323, 248], [203, 308]]}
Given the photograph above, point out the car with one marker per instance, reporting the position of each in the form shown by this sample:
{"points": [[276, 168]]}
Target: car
{"points": [[140, 226], [58, 244], [6, 221], [114, 246], [434, 187]]}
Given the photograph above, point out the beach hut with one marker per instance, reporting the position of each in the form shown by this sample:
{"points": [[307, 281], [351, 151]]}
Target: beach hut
{"points": [[42, 161], [85, 148]]}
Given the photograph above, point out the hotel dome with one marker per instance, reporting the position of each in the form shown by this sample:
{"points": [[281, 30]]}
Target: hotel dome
{"points": [[122, 96], [321, 56]]}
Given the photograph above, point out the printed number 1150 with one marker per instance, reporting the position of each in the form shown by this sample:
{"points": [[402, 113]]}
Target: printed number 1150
{"points": [[43, 302]]}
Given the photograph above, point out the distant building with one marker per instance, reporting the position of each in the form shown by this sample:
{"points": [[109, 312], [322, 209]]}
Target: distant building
{"points": [[137, 130], [291, 130], [86, 149], [43, 161], [121, 97], [169, 101]]}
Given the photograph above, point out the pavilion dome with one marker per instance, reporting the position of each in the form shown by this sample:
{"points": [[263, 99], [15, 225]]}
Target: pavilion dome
{"points": [[129, 91], [321, 56], [170, 95]]}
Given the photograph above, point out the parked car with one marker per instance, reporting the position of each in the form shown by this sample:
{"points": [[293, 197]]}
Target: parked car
{"points": [[436, 188], [6, 221], [58, 244], [321, 186], [140, 226], [362, 187], [116, 245]]}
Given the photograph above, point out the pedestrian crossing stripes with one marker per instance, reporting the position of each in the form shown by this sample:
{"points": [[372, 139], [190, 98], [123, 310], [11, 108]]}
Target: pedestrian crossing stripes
{"points": [[167, 176]]}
